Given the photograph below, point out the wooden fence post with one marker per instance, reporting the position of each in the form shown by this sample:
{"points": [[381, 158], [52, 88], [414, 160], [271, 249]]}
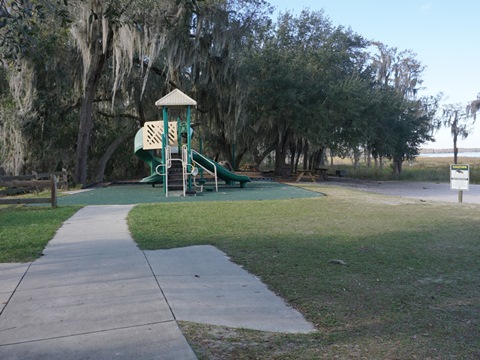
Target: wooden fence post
{"points": [[53, 189], [35, 182], [65, 179]]}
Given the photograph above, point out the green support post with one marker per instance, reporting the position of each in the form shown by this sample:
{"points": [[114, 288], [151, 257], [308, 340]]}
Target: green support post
{"points": [[177, 99], [164, 144], [200, 140], [189, 149]]}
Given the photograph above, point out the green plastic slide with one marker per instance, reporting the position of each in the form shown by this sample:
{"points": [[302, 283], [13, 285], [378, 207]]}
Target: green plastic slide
{"points": [[153, 161], [222, 172], [149, 158]]}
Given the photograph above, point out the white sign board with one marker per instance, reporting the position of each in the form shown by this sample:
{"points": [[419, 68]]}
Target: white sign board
{"points": [[459, 177]]}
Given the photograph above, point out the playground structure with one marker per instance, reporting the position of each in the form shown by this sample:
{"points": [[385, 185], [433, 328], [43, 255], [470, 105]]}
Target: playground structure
{"points": [[166, 147]]}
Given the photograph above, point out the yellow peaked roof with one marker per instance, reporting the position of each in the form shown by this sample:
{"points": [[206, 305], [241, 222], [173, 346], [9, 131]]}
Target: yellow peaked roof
{"points": [[175, 98]]}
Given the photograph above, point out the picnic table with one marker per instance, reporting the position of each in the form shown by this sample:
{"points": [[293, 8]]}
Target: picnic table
{"points": [[312, 174], [322, 172], [306, 173]]}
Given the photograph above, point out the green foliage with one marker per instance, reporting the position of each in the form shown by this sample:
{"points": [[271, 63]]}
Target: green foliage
{"points": [[17, 27], [21, 24], [308, 92], [294, 88]]}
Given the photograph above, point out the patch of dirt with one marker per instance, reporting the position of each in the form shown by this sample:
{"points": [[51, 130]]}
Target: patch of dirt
{"points": [[221, 343]]}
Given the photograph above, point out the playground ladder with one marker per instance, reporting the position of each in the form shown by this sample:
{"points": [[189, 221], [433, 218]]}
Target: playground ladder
{"points": [[186, 171]]}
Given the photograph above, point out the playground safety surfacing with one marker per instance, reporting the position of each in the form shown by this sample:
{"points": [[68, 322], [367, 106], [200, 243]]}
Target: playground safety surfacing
{"points": [[146, 193]]}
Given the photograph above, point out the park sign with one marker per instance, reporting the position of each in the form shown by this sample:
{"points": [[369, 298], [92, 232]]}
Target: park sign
{"points": [[459, 177]]}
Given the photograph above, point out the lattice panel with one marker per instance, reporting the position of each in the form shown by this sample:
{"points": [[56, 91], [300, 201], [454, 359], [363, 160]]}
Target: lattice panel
{"points": [[152, 134], [172, 133]]}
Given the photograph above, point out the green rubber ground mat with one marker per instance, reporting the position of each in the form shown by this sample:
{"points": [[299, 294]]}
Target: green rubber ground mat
{"points": [[145, 193]]}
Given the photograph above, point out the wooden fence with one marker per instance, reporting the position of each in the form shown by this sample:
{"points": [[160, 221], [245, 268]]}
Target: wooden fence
{"points": [[14, 185]]}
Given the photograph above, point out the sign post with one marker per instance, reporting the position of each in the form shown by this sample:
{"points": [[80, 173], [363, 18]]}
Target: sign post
{"points": [[459, 179]]}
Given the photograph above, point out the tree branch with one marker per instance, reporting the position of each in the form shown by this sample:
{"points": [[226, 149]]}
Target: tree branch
{"points": [[163, 75], [123, 115]]}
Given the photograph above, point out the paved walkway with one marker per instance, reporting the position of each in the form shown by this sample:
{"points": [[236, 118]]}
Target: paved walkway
{"points": [[425, 191], [95, 295]]}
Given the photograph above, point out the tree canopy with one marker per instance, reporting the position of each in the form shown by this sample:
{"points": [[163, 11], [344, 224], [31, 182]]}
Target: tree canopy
{"points": [[84, 76]]}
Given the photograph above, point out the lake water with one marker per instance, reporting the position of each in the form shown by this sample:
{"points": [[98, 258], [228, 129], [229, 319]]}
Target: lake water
{"points": [[460, 154]]}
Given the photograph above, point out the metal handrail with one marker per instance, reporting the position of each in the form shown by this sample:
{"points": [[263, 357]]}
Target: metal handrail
{"points": [[166, 166], [184, 167], [214, 173], [169, 164], [185, 172]]}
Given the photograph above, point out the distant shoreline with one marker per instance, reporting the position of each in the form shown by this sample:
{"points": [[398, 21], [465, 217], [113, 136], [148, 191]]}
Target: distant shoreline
{"points": [[448, 151]]}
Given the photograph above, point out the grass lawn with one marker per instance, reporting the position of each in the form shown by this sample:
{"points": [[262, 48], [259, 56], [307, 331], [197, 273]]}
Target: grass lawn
{"points": [[409, 287], [25, 231]]}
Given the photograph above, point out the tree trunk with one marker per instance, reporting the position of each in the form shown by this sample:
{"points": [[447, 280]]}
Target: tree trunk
{"points": [[397, 167], [279, 158], [368, 156], [258, 158], [301, 148], [455, 149], [281, 151], [306, 149], [233, 159], [318, 159], [293, 152], [86, 116], [83, 138], [239, 158], [356, 158], [102, 164]]}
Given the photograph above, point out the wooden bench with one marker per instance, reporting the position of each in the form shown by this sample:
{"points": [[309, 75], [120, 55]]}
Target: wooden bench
{"points": [[15, 185]]}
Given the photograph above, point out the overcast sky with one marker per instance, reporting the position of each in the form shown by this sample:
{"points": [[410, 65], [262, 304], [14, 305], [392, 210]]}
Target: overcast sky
{"points": [[444, 34]]}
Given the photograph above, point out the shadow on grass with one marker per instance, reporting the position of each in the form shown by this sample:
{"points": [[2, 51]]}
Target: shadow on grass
{"points": [[408, 287], [397, 295]]}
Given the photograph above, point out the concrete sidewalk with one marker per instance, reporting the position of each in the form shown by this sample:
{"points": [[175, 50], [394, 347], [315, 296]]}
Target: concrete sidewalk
{"points": [[95, 295], [202, 285]]}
